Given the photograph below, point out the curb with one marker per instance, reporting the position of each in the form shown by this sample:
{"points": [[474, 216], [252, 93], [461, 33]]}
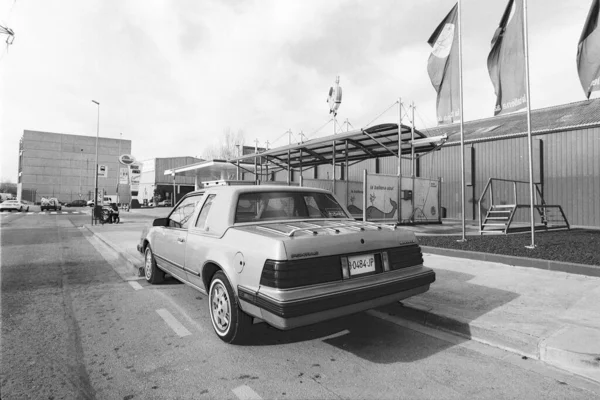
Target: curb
{"points": [[133, 263], [466, 330], [572, 268], [581, 364]]}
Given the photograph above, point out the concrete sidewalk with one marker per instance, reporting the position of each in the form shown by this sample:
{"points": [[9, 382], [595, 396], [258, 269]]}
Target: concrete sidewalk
{"points": [[546, 315]]}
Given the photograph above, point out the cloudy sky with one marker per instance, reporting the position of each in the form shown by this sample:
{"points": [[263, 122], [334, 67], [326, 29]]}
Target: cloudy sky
{"points": [[172, 75]]}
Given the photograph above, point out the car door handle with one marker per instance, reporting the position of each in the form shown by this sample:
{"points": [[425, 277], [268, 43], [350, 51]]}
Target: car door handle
{"points": [[180, 240]]}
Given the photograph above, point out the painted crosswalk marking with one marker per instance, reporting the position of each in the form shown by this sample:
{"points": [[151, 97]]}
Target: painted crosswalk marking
{"points": [[177, 327], [246, 393]]}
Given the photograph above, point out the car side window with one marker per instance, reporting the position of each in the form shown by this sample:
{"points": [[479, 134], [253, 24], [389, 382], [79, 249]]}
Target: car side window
{"points": [[201, 222], [181, 215]]}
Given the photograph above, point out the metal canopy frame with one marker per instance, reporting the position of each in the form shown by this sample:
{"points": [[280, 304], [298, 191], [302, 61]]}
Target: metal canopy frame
{"points": [[345, 148]]}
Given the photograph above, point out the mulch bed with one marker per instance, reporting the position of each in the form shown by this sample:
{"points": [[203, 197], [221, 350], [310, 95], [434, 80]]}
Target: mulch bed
{"points": [[579, 246]]}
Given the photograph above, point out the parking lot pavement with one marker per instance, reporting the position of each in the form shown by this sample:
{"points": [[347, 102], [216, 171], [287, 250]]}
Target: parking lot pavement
{"points": [[547, 315]]}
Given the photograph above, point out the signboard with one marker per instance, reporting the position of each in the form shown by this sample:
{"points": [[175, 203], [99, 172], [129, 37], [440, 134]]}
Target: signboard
{"points": [[123, 176], [134, 177], [355, 199], [102, 171], [126, 159], [382, 195]]}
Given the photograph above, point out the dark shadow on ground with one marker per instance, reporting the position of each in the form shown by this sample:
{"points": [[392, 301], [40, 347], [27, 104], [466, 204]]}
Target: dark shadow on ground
{"points": [[380, 341]]}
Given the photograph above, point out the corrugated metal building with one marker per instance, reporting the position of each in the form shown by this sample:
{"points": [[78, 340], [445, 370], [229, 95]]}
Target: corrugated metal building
{"points": [[566, 160]]}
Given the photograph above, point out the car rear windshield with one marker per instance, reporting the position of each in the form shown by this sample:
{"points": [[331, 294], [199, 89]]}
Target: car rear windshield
{"points": [[281, 205]]}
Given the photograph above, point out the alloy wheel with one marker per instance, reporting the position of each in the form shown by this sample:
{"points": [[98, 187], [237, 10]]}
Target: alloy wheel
{"points": [[220, 307]]}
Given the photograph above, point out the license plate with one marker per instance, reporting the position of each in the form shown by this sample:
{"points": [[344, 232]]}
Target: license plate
{"points": [[361, 264]]}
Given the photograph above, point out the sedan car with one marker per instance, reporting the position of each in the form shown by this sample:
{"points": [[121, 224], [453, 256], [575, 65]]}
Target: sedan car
{"points": [[165, 203], [16, 205], [77, 203], [289, 256]]}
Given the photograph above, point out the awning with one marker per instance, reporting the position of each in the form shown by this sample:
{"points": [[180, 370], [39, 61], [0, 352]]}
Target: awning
{"points": [[354, 146], [209, 170]]}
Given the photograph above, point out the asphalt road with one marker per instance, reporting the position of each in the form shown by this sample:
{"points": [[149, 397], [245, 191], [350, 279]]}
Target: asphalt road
{"points": [[72, 328]]}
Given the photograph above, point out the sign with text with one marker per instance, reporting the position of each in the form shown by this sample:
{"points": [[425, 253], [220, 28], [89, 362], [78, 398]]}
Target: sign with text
{"points": [[123, 176], [134, 177], [102, 171]]}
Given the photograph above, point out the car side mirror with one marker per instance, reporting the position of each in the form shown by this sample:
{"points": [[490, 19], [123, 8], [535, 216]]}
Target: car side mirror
{"points": [[160, 222]]}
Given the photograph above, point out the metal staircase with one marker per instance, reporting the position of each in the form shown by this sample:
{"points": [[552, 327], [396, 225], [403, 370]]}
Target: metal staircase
{"points": [[499, 217]]}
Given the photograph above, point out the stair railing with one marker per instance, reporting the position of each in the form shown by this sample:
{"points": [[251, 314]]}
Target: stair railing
{"points": [[490, 186]]}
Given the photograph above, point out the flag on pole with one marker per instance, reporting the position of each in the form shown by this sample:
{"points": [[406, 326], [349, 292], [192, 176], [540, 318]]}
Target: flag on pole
{"points": [[443, 70], [588, 52], [506, 61]]}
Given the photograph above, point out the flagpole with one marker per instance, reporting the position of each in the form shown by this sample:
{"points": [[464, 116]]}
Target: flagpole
{"points": [[529, 140], [462, 136]]}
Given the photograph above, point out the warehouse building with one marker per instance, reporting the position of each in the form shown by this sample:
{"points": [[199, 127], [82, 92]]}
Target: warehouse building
{"points": [[62, 166], [155, 185], [566, 162]]}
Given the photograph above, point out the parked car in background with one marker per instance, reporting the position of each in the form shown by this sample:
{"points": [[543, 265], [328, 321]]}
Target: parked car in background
{"points": [[9, 205], [77, 203], [50, 204], [289, 256], [165, 203], [106, 200]]}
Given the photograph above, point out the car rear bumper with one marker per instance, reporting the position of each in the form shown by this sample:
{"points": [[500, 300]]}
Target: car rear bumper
{"points": [[292, 314]]}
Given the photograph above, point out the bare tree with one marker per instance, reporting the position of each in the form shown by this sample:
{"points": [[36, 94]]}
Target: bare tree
{"points": [[6, 186], [229, 145]]}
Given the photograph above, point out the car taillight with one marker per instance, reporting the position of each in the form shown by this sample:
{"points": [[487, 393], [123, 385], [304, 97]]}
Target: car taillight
{"points": [[297, 273], [386, 261], [404, 256], [345, 271]]}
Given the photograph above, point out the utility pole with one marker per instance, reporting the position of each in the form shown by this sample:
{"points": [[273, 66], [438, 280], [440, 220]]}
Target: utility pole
{"points": [[267, 163], [255, 165], [96, 172]]}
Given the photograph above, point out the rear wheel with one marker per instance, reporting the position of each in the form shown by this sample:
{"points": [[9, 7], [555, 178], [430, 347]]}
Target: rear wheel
{"points": [[230, 323], [152, 273]]}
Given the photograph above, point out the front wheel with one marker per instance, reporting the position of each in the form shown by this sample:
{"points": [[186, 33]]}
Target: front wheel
{"points": [[152, 273], [229, 321]]}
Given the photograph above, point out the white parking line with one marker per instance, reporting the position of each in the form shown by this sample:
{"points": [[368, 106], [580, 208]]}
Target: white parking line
{"points": [[173, 323], [64, 212], [135, 285], [336, 335], [245, 393], [53, 212]]}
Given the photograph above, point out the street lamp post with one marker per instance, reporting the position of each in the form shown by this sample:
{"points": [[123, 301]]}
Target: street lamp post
{"points": [[96, 172], [119, 170]]}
